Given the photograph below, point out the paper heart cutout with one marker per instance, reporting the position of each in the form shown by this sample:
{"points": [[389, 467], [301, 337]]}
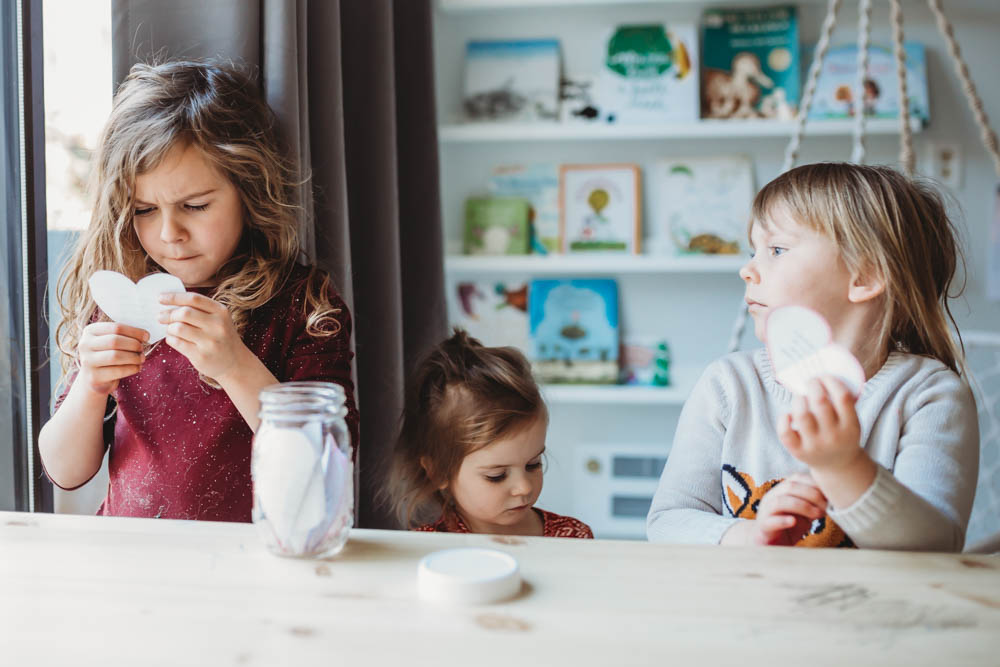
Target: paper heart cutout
{"points": [[135, 304], [799, 342]]}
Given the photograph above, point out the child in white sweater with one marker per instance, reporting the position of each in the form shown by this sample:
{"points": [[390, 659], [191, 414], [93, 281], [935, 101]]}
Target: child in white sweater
{"points": [[895, 467]]}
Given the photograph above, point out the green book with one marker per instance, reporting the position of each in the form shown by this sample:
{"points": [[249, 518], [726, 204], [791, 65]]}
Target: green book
{"points": [[497, 226]]}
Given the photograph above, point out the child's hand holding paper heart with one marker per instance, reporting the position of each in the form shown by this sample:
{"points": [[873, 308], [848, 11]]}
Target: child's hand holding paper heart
{"points": [[823, 430], [203, 331], [108, 352]]}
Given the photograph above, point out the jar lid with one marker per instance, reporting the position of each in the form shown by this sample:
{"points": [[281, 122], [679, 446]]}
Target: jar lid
{"points": [[468, 576]]}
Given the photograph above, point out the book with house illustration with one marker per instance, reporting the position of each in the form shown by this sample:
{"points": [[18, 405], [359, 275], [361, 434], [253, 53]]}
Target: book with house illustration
{"points": [[495, 312], [698, 205], [511, 80], [750, 63], [497, 226], [539, 184], [574, 330], [836, 88]]}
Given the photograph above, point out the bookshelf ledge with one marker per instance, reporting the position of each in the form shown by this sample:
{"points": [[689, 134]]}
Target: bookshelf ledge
{"points": [[592, 265], [614, 394], [704, 129]]}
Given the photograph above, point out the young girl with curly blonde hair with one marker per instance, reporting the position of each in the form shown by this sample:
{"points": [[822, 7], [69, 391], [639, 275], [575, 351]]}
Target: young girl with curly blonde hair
{"points": [[190, 180]]}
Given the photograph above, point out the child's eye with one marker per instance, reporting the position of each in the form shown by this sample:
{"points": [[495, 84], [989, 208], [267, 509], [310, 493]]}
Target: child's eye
{"points": [[195, 207], [143, 211], [752, 253], [776, 250], [496, 479], [533, 466]]}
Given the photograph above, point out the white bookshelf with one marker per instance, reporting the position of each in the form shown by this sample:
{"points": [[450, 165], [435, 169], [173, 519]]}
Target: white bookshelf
{"points": [[703, 129], [551, 265], [613, 395], [472, 6]]}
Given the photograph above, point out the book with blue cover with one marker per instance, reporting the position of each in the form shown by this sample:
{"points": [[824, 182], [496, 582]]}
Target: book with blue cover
{"points": [[511, 80], [574, 330]]}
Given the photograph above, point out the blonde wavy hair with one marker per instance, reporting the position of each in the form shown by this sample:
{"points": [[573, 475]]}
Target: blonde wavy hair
{"points": [[884, 222], [218, 109], [462, 397]]}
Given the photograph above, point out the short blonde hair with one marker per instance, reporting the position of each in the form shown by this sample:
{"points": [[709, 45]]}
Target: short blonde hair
{"points": [[884, 222]]}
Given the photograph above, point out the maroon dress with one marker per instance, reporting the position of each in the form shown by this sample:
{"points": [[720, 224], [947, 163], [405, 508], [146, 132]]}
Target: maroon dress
{"points": [[553, 525], [180, 449]]}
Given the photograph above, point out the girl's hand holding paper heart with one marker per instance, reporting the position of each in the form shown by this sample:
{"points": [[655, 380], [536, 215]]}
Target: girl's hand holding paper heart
{"points": [[108, 352], [202, 330], [823, 432]]}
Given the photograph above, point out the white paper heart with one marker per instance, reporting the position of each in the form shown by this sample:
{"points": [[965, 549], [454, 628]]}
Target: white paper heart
{"points": [[289, 483], [801, 348], [135, 304]]}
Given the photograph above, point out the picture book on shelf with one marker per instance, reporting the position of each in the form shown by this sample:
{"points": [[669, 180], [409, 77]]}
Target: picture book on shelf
{"points": [[497, 226], [600, 208], [649, 74], [574, 330], [699, 205], [836, 94], [495, 312], [539, 184], [512, 80], [750, 63]]}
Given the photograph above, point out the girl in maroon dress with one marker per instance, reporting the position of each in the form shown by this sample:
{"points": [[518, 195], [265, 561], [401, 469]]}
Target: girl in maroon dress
{"points": [[469, 454], [190, 180]]}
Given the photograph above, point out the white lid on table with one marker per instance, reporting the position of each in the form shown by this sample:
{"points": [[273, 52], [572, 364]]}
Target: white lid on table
{"points": [[468, 576]]}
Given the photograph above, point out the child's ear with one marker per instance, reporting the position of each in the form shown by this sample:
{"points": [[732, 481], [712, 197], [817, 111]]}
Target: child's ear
{"points": [[425, 463], [865, 285]]}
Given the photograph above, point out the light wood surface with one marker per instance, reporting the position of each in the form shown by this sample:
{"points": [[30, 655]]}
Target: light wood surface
{"points": [[104, 591]]}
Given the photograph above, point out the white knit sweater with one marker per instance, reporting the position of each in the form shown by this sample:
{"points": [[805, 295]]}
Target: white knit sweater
{"points": [[918, 423]]}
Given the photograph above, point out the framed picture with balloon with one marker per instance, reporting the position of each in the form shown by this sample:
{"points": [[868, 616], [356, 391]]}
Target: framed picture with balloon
{"points": [[600, 208]]}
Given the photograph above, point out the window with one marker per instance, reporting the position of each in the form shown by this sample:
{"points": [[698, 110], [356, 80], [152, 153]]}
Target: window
{"points": [[23, 393]]}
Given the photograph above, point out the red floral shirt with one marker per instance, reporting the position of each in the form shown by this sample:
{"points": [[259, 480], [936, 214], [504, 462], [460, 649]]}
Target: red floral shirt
{"points": [[553, 525]]}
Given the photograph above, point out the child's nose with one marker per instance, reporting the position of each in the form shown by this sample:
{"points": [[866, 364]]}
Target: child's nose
{"points": [[521, 486], [749, 272], [170, 230]]}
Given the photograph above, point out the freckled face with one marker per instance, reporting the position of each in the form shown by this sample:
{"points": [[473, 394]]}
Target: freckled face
{"points": [[497, 485], [188, 216]]}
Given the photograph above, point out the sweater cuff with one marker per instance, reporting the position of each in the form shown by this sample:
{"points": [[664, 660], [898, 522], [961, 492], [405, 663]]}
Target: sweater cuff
{"points": [[874, 505]]}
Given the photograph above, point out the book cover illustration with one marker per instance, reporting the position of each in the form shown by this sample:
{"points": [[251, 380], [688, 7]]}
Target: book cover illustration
{"points": [[750, 61], [497, 226], [495, 312], [539, 184], [574, 330], [600, 208], [645, 362], [699, 205], [513, 80], [648, 75], [836, 87]]}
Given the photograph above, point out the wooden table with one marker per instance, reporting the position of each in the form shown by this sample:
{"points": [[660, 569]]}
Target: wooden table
{"points": [[137, 592]]}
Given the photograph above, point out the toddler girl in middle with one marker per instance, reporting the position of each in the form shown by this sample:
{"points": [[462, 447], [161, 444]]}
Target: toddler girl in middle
{"points": [[469, 454]]}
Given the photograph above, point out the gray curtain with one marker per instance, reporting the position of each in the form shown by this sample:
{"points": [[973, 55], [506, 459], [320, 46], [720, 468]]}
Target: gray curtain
{"points": [[352, 84]]}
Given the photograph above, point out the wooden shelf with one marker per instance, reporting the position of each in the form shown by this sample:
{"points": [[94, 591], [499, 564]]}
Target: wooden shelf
{"points": [[592, 265], [703, 129]]}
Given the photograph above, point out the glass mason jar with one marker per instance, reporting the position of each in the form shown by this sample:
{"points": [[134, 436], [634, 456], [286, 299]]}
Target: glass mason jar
{"points": [[303, 477]]}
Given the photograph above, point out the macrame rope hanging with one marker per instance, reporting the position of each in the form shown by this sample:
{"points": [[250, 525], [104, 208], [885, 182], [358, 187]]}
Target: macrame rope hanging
{"points": [[906, 153]]}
